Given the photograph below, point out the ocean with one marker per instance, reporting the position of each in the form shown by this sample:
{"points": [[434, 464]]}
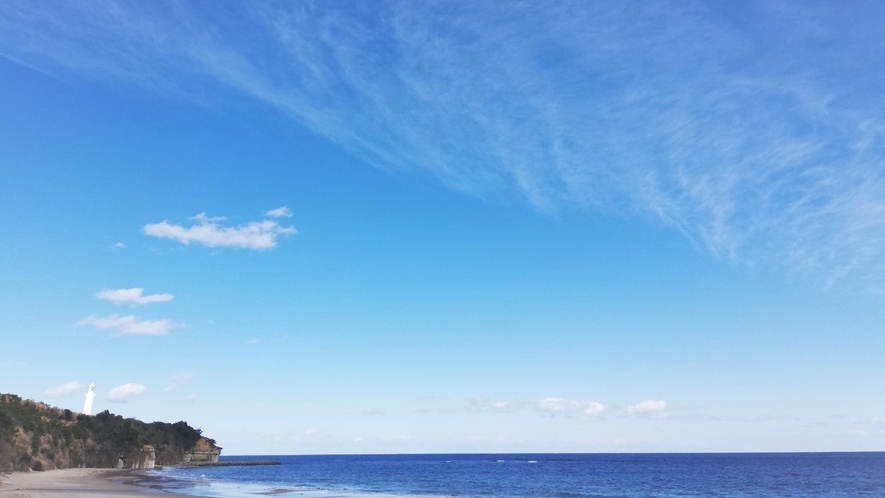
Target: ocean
{"points": [[724, 475]]}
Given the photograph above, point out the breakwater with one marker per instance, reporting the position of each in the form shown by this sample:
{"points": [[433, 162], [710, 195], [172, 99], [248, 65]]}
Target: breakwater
{"points": [[230, 463]]}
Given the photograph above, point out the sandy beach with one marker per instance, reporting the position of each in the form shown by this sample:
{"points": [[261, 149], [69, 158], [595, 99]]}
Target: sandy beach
{"points": [[76, 483]]}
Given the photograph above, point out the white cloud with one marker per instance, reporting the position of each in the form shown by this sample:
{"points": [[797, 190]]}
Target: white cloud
{"points": [[878, 420], [132, 296], [119, 245], [129, 325], [280, 212], [121, 394], [569, 406], [648, 406], [310, 432], [480, 404], [67, 388], [11, 364], [257, 235]]}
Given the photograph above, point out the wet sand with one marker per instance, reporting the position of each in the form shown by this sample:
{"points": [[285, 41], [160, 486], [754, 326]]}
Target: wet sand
{"points": [[74, 483]]}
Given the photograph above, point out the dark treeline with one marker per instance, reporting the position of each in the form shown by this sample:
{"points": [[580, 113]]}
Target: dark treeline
{"points": [[36, 436]]}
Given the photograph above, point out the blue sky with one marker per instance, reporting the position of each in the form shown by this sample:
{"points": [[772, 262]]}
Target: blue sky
{"points": [[432, 227]]}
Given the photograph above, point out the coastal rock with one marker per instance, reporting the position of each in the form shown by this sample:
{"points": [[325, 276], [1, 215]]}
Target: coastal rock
{"points": [[204, 451]]}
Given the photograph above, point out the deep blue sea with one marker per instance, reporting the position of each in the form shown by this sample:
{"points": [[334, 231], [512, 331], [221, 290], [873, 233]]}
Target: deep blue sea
{"points": [[726, 475]]}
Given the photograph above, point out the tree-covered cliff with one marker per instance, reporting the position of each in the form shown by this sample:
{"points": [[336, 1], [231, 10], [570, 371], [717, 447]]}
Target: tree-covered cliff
{"points": [[36, 436]]}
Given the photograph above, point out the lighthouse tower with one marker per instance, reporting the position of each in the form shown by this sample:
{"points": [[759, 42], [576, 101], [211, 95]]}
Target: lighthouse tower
{"points": [[90, 397]]}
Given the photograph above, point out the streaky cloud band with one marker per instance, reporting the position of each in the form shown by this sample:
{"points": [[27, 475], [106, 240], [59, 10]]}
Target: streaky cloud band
{"points": [[744, 137]]}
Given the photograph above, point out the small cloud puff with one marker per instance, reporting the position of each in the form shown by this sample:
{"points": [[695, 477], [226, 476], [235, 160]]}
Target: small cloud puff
{"points": [[648, 406], [129, 325], [280, 212], [67, 388], [256, 235], [121, 394], [132, 296], [565, 406]]}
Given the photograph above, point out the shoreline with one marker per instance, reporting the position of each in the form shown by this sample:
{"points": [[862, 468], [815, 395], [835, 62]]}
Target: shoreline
{"points": [[78, 483]]}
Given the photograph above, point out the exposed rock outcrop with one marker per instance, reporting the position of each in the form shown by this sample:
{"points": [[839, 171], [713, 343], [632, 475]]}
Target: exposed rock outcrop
{"points": [[204, 451]]}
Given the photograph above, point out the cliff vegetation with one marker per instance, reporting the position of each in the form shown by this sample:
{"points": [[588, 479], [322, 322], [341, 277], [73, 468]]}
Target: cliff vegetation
{"points": [[36, 436]]}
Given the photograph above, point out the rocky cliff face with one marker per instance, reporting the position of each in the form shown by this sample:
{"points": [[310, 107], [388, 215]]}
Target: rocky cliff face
{"points": [[204, 451], [35, 436]]}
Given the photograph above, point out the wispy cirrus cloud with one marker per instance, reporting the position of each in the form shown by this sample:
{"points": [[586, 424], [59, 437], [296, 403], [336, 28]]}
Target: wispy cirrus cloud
{"points": [[64, 389], [132, 296], [129, 325], [257, 235], [747, 137], [121, 394]]}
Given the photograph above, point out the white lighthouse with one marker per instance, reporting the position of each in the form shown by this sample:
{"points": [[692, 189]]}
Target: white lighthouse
{"points": [[90, 397]]}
